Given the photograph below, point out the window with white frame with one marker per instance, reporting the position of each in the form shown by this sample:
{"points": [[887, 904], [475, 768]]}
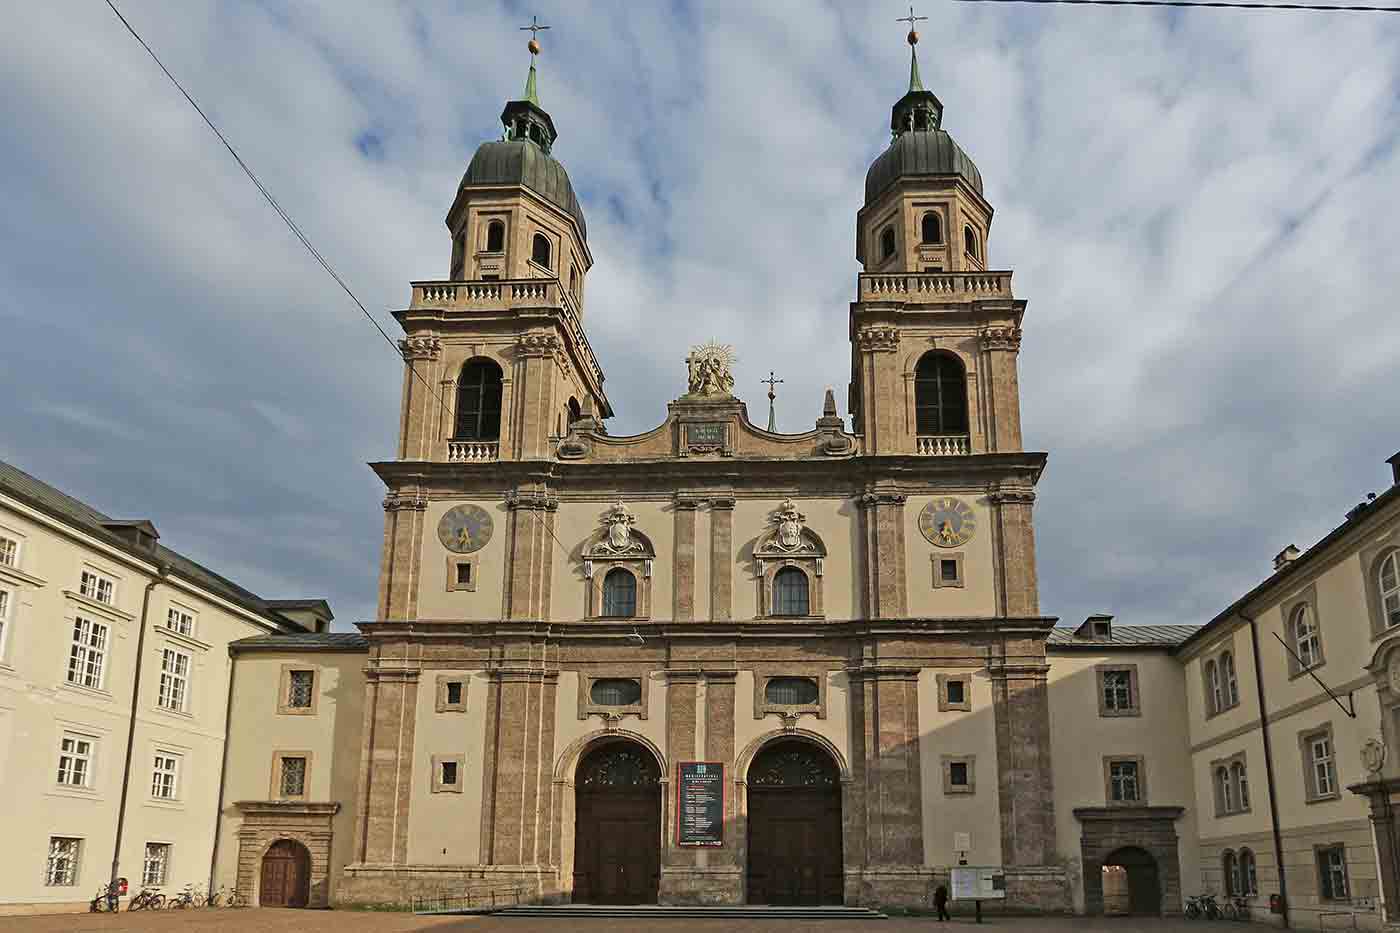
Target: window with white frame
{"points": [[9, 551], [1388, 581], [1249, 874], [1241, 778], [1225, 789], [89, 653], [1123, 782], [165, 776], [1118, 693], [1322, 768], [94, 585], [5, 600], [75, 760], [1231, 683], [292, 781], [62, 868], [174, 680], [1306, 643], [180, 621], [156, 865], [1332, 873], [1215, 699]]}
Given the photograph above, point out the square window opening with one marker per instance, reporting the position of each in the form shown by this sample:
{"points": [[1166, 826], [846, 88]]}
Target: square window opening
{"points": [[454, 692], [957, 773]]}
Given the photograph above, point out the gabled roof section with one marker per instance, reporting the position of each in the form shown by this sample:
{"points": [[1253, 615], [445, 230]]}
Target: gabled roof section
{"points": [[39, 495], [302, 641], [1122, 636]]}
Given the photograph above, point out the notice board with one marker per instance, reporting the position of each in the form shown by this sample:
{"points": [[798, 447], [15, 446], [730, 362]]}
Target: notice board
{"points": [[978, 884], [700, 803]]}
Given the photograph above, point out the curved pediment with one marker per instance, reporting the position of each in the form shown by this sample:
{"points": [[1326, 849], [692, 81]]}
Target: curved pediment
{"points": [[789, 536], [618, 539]]}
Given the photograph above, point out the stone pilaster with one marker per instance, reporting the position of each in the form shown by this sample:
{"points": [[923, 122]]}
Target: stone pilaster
{"points": [[719, 746], [527, 553], [886, 590], [536, 355], [880, 386], [885, 769], [721, 558], [1014, 534], [681, 703], [683, 563], [403, 533], [1000, 346], [420, 403], [1025, 788], [386, 770], [1384, 798], [517, 766]]}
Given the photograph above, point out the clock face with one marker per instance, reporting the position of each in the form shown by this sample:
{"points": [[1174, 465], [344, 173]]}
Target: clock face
{"points": [[465, 528], [948, 522]]}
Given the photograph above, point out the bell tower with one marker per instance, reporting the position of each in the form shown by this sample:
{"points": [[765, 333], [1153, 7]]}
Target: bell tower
{"points": [[934, 332], [497, 361]]}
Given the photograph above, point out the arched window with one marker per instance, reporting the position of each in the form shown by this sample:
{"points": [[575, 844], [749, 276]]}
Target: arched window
{"points": [[790, 593], [479, 401], [539, 251], [1306, 643], [1227, 674], [1388, 581], [887, 243], [619, 594], [1214, 698], [970, 242], [1226, 789], [931, 228], [1241, 784], [940, 394], [1230, 869], [1249, 875], [575, 412], [496, 236], [791, 691], [573, 281]]}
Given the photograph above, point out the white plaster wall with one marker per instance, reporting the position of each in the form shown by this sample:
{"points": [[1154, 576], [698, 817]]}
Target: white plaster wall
{"points": [[977, 596], [434, 599], [959, 732], [445, 828]]}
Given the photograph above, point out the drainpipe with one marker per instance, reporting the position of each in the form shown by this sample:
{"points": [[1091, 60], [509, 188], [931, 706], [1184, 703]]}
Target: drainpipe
{"points": [[1268, 765], [223, 773], [162, 570]]}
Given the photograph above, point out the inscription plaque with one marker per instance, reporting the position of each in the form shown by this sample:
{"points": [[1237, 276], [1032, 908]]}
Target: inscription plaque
{"points": [[707, 434]]}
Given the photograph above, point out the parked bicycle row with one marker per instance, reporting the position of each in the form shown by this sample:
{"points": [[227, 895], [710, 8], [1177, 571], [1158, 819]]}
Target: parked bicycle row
{"points": [[1204, 907], [108, 899]]}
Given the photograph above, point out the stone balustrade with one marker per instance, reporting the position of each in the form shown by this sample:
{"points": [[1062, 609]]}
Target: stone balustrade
{"points": [[943, 445], [472, 451], [935, 286]]}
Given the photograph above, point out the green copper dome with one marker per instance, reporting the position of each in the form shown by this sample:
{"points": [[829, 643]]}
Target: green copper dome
{"points": [[920, 145], [523, 162]]}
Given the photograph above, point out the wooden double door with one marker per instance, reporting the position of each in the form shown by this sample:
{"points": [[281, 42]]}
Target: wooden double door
{"points": [[617, 830], [794, 827], [286, 875]]}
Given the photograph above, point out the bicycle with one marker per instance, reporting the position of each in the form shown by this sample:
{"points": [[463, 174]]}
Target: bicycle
{"points": [[1237, 908], [107, 900], [236, 900], [147, 899], [188, 897], [1202, 905]]}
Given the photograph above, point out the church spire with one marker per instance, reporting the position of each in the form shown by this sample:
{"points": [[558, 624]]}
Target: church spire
{"points": [[915, 82], [525, 119], [919, 110]]}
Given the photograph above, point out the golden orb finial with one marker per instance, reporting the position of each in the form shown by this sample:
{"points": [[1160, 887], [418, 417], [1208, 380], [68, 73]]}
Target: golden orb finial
{"points": [[534, 46], [534, 30], [913, 37], [912, 20]]}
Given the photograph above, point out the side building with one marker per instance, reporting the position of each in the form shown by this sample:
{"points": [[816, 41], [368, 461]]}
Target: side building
{"points": [[115, 679]]}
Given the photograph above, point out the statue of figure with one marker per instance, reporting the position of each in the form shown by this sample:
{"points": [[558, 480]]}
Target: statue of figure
{"points": [[707, 369], [789, 526]]}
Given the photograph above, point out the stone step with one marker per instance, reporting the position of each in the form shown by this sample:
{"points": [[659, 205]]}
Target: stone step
{"points": [[653, 912]]}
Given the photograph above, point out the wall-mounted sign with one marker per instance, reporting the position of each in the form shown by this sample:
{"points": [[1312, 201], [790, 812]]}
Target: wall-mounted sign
{"points": [[705, 434], [700, 803]]}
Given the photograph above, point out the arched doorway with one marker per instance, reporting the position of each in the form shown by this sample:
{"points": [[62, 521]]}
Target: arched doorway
{"points": [[286, 875], [794, 823], [1130, 882], [617, 829]]}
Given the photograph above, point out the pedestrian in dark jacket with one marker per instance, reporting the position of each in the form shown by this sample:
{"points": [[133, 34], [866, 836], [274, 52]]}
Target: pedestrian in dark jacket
{"points": [[940, 902]]}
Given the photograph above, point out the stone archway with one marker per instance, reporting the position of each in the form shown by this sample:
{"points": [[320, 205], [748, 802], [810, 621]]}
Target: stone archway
{"points": [[794, 825], [617, 825], [1131, 883], [284, 878]]}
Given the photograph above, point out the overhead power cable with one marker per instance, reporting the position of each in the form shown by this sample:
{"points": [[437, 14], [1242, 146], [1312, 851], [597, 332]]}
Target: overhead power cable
{"points": [[1218, 4], [286, 218]]}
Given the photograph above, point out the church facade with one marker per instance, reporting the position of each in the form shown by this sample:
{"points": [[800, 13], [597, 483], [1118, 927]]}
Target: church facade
{"points": [[842, 624]]}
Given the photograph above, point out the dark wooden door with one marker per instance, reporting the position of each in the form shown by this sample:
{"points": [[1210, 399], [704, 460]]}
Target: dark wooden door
{"points": [[794, 827], [617, 829], [286, 875]]}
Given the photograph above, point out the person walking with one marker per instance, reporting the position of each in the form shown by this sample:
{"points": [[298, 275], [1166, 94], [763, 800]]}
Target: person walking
{"points": [[940, 902]]}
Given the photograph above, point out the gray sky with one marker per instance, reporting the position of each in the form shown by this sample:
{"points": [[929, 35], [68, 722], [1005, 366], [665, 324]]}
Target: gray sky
{"points": [[1201, 208]]}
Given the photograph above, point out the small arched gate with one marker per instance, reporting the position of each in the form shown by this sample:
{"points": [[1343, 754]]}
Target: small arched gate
{"points": [[286, 875], [1130, 883]]}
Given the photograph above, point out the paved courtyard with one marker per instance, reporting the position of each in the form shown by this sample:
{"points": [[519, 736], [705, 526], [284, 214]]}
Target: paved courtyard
{"points": [[328, 921]]}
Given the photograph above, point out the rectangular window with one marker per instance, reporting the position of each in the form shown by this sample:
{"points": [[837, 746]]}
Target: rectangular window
{"points": [[957, 692], [9, 551], [299, 689], [293, 778], [4, 618], [449, 773], [1123, 781], [156, 863], [454, 692], [88, 653], [74, 760], [180, 621], [464, 574], [1332, 872], [1324, 769], [1118, 691], [95, 586], [62, 869], [949, 571], [957, 773], [174, 680], [164, 775]]}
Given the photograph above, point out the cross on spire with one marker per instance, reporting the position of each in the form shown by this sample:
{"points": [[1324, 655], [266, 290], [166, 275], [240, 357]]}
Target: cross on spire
{"points": [[534, 29], [911, 19], [772, 415]]}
